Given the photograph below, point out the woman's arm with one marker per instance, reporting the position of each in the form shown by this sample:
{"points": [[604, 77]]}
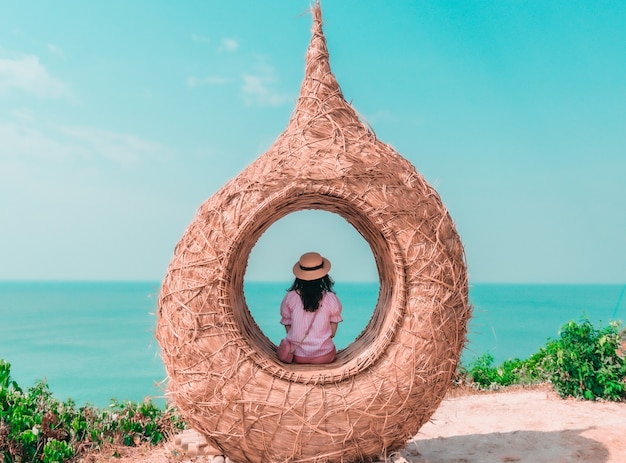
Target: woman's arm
{"points": [[287, 328], [333, 329]]}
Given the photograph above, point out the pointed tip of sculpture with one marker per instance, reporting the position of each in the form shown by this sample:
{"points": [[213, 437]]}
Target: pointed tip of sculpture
{"points": [[316, 11], [319, 87], [318, 50], [321, 106]]}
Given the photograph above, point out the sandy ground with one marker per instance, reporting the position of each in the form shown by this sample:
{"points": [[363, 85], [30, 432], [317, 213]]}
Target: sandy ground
{"points": [[523, 425]]}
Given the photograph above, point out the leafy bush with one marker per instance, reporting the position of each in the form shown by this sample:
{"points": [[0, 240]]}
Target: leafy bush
{"points": [[536, 368], [36, 427], [57, 451], [485, 375], [584, 362]]}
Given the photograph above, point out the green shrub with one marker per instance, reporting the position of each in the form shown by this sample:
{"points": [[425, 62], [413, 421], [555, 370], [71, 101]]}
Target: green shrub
{"points": [[483, 374], [36, 427], [535, 369], [584, 362], [133, 423], [57, 451]]}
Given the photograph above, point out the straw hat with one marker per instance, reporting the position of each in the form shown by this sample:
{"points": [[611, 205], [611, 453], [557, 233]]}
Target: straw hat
{"points": [[311, 266]]}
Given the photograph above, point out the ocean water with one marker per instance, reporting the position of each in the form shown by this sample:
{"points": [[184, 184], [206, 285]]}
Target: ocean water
{"points": [[93, 341], [90, 341]]}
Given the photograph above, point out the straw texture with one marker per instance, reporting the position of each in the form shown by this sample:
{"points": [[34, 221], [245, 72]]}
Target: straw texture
{"points": [[223, 374]]}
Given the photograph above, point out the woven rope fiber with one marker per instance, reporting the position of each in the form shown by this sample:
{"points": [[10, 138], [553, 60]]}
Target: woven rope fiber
{"points": [[223, 373]]}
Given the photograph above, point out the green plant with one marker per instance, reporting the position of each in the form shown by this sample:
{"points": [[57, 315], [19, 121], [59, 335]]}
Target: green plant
{"points": [[57, 451], [584, 362], [130, 423], [34, 426], [535, 369], [482, 372], [6, 383]]}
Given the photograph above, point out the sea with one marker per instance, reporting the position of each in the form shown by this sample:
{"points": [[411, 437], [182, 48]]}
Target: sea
{"points": [[94, 341]]}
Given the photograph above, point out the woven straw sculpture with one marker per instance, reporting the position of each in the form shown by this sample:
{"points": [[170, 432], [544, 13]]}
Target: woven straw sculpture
{"points": [[223, 374]]}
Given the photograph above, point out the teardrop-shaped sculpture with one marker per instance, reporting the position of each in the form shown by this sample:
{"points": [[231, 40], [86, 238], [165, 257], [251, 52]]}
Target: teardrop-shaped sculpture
{"points": [[224, 377]]}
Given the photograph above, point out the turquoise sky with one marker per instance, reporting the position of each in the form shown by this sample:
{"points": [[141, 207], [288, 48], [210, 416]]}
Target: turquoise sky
{"points": [[118, 119]]}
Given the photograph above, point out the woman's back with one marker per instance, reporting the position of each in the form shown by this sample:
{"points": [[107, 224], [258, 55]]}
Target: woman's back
{"points": [[318, 341], [311, 311]]}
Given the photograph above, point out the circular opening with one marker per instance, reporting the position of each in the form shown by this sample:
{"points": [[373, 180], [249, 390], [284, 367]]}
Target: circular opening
{"points": [[390, 307], [268, 274]]}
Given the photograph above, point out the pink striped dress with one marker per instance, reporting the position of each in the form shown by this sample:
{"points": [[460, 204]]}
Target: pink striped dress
{"points": [[319, 341]]}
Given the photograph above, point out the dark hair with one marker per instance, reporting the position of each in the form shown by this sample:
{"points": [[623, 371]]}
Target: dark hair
{"points": [[311, 291]]}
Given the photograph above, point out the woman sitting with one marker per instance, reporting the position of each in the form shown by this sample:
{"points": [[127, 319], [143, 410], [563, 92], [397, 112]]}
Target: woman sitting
{"points": [[311, 311]]}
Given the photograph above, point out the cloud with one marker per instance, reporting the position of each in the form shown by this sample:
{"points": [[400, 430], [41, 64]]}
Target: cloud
{"points": [[228, 44], [65, 145], [28, 75], [27, 144], [259, 88], [56, 51], [23, 115], [200, 38], [195, 82], [382, 115], [121, 148]]}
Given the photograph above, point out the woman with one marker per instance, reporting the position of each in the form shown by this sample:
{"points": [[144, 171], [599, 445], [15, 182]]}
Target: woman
{"points": [[311, 311]]}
